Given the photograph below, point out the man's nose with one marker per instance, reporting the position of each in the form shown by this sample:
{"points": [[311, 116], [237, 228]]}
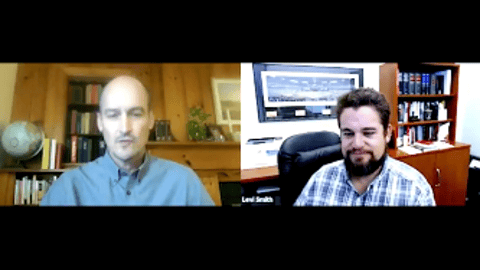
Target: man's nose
{"points": [[358, 141], [126, 124]]}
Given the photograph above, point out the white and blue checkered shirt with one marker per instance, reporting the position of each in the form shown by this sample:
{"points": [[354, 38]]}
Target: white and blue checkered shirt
{"points": [[398, 184]]}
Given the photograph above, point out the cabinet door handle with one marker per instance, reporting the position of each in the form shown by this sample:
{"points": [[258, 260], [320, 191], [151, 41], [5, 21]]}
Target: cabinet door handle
{"points": [[439, 178]]}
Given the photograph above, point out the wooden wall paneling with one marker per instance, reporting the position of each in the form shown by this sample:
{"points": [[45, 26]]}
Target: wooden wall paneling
{"points": [[38, 93], [212, 185], [200, 157], [30, 93], [56, 104], [175, 100], [21, 97], [157, 92], [96, 72], [7, 187], [226, 70], [205, 88], [192, 90]]}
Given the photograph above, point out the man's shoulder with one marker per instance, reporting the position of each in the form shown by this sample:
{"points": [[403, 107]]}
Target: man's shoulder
{"points": [[402, 168], [161, 165], [406, 172]]}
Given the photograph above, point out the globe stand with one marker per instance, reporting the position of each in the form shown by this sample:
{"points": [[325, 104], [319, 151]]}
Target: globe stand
{"points": [[19, 164]]}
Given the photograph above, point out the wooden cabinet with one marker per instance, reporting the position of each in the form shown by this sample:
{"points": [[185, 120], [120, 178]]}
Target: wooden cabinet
{"points": [[445, 170]]}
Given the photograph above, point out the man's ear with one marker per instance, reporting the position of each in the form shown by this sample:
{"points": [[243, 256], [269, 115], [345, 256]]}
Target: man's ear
{"points": [[389, 133], [151, 121], [99, 122]]}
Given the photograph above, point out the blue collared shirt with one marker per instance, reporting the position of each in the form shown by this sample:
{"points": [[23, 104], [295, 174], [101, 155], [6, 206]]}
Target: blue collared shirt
{"points": [[100, 182], [398, 184]]}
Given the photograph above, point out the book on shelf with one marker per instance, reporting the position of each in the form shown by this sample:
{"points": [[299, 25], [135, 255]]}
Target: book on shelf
{"points": [[413, 111], [84, 149], [46, 154], [83, 123], [52, 155], [30, 191], [416, 83], [82, 93], [409, 135], [162, 130]]}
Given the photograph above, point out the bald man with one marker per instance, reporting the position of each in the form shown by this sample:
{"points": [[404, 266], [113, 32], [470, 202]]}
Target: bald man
{"points": [[127, 174]]}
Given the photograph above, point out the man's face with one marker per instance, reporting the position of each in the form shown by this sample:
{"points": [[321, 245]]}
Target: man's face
{"points": [[125, 120], [364, 141]]}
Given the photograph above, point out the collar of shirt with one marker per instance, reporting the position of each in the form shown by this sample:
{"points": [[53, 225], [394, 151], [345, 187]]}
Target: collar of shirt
{"points": [[115, 173]]}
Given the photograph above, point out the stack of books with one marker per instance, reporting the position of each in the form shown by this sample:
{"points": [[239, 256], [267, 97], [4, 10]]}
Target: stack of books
{"points": [[31, 191]]}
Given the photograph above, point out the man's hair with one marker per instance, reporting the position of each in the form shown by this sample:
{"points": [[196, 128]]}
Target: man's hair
{"points": [[365, 97]]}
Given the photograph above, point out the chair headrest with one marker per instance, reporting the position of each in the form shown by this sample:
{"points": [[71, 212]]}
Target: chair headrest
{"points": [[309, 141]]}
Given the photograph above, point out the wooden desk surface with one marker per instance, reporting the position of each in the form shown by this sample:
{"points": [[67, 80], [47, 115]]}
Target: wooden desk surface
{"points": [[259, 174]]}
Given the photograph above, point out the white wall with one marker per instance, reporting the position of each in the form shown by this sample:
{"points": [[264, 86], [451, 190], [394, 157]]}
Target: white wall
{"points": [[251, 128], [468, 109]]}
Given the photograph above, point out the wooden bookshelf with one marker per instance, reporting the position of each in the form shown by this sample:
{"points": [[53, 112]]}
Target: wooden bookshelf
{"points": [[389, 86], [446, 170], [429, 122]]}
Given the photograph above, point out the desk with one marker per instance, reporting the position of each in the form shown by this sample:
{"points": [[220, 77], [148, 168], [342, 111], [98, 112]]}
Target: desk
{"points": [[259, 174]]}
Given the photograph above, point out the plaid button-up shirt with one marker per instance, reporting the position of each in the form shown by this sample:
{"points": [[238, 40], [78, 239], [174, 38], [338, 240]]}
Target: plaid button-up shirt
{"points": [[398, 184]]}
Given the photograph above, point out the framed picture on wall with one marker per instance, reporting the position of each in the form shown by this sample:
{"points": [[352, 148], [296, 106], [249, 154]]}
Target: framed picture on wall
{"points": [[226, 96], [300, 92]]}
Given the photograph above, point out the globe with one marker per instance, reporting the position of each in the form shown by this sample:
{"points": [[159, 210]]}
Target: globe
{"points": [[23, 140]]}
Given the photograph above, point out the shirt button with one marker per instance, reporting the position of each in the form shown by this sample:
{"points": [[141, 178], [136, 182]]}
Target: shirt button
{"points": [[129, 192]]}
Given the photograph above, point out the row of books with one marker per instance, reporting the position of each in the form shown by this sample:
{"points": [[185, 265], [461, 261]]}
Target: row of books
{"points": [[83, 123], [417, 83], [53, 154], [85, 93], [412, 111], [83, 149], [162, 130], [409, 135], [31, 191]]}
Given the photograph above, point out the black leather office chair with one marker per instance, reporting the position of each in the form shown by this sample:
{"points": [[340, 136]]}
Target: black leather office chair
{"points": [[302, 155]]}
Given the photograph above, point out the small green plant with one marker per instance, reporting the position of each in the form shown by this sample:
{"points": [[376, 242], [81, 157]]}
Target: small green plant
{"points": [[196, 128]]}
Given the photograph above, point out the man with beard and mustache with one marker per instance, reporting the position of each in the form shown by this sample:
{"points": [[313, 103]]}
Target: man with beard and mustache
{"points": [[366, 176], [127, 174]]}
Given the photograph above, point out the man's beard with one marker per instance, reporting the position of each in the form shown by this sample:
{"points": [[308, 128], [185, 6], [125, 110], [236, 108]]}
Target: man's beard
{"points": [[359, 170]]}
